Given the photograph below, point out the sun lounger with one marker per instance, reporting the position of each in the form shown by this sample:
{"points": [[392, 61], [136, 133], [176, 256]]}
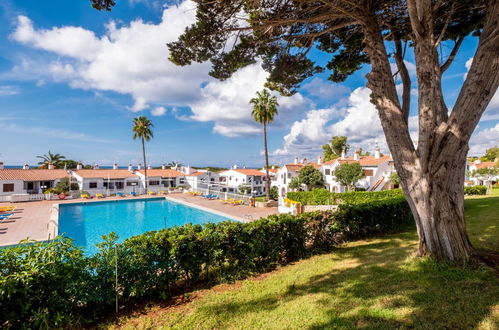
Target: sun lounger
{"points": [[99, 195], [151, 193], [162, 192], [7, 208], [5, 216], [120, 194], [239, 202], [133, 193], [228, 200], [85, 196], [213, 197]]}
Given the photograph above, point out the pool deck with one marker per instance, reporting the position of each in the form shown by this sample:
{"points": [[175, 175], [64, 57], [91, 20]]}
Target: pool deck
{"points": [[31, 219]]}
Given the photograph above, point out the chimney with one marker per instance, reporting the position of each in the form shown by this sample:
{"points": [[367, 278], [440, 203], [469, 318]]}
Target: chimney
{"points": [[356, 155], [234, 167], [304, 161], [273, 167], [139, 167], [26, 167], [296, 160], [130, 167], [149, 167], [78, 166], [96, 166], [343, 154], [377, 153], [163, 167], [115, 166], [1, 166], [50, 166], [319, 160]]}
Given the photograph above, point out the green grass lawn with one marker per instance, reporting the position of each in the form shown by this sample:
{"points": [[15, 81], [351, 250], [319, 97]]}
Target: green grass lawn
{"points": [[372, 284]]}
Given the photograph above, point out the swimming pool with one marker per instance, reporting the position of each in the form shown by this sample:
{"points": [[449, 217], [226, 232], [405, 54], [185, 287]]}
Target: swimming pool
{"points": [[87, 222]]}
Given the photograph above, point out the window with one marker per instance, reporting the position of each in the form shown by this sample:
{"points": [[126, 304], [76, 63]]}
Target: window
{"points": [[8, 187], [92, 185], [327, 171], [154, 183], [212, 179], [131, 183], [30, 186], [368, 172], [182, 181]]}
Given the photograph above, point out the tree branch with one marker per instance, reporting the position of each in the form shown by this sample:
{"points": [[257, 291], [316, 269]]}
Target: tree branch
{"points": [[481, 81], [452, 55], [404, 76]]}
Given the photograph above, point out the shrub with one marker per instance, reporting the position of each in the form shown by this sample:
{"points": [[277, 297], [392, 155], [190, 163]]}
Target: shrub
{"points": [[475, 190], [324, 197], [53, 284]]}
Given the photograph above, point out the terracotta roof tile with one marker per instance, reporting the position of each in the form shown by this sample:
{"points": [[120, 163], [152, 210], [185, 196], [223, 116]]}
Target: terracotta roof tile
{"points": [[249, 171], [363, 160], [104, 174], [166, 173], [32, 174]]}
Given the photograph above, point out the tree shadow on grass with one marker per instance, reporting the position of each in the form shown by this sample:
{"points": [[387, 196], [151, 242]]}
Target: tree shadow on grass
{"points": [[378, 285]]}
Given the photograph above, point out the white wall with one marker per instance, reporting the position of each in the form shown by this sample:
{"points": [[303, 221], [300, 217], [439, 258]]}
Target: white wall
{"points": [[18, 187]]}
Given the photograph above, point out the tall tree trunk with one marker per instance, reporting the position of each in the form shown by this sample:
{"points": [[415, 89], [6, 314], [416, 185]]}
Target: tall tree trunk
{"points": [[436, 198], [267, 176], [432, 175], [145, 164]]}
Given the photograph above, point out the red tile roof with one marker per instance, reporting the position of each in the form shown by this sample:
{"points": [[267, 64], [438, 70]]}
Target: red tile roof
{"points": [[104, 174], [363, 160], [249, 171], [294, 167], [32, 174], [166, 173], [196, 174], [484, 165]]}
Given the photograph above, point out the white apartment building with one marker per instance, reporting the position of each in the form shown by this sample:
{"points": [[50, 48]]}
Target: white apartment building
{"points": [[29, 181], [474, 180], [287, 172], [107, 181], [232, 179], [377, 171]]}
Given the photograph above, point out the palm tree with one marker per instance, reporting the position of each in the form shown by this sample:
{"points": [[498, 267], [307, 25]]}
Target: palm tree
{"points": [[142, 129], [264, 111], [50, 158]]}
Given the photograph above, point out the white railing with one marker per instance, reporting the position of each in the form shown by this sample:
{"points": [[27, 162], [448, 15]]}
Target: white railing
{"points": [[37, 197]]}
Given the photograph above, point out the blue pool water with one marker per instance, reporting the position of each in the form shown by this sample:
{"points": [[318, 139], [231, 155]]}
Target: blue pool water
{"points": [[87, 222]]}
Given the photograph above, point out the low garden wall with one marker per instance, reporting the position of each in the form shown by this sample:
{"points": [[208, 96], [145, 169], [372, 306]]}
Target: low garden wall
{"points": [[53, 284], [315, 208]]}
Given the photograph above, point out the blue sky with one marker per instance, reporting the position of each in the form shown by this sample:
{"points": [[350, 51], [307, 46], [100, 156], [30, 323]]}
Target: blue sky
{"points": [[72, 79]]}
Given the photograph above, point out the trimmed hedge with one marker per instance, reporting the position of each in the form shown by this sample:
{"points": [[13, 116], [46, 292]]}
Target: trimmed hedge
{"points": [[54, 284], [475, 190], [324, 197]]}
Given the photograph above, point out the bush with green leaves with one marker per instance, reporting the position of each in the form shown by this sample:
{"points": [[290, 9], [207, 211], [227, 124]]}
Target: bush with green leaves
{"points": [[324, 197], [475, 190], [45, 285]]}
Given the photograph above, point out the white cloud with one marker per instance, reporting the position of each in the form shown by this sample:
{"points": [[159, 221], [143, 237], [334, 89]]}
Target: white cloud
{"points": [[325, 90], [132, 59], [358, 120], [158, 111], [8, 90], [227, 102], [484, 139]]}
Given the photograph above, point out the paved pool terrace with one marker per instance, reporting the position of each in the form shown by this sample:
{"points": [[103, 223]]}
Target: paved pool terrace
{"points": [[38, 220]]}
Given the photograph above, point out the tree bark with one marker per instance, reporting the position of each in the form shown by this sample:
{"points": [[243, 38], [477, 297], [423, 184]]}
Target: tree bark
{"points": [[145, 164], [267, 176], [432, 176]]}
